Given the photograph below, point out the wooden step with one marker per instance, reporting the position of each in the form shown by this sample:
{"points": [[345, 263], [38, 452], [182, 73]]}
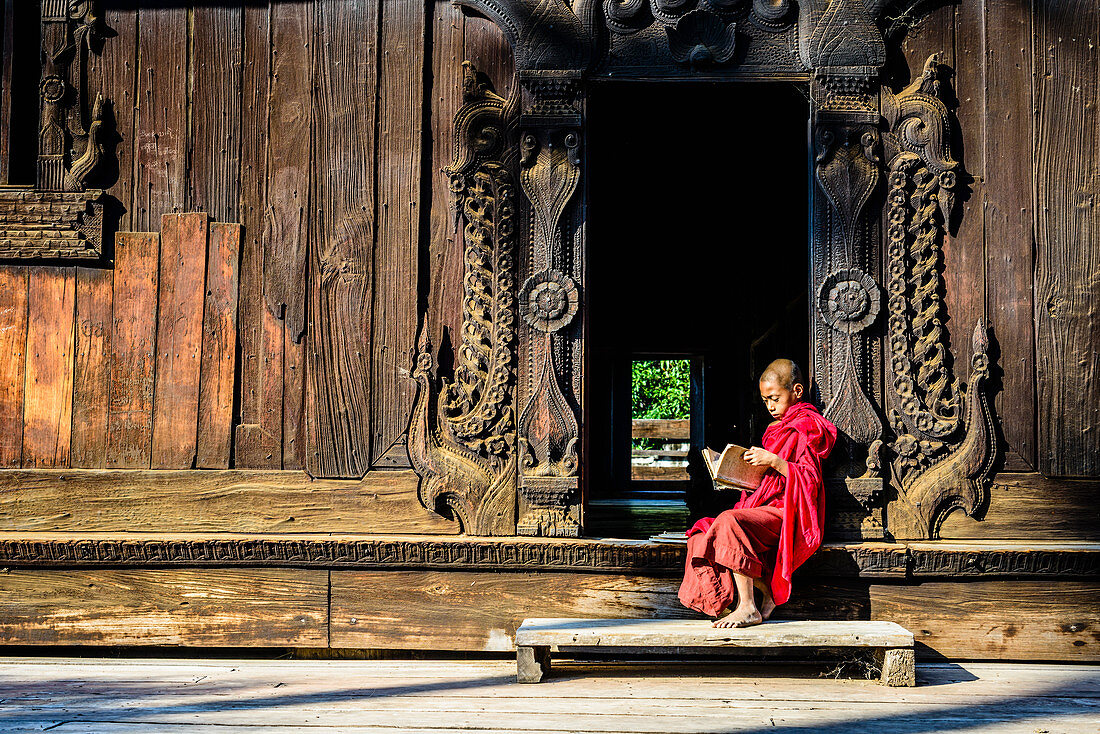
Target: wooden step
{"points": [[534, 638]]}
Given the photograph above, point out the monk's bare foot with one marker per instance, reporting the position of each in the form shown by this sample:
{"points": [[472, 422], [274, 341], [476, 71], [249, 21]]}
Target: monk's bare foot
{"points": [[767, 604], [739, 618]]}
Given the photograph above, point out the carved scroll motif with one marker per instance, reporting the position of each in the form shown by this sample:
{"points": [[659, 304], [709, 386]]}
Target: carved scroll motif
{"points": [[462, 432], [68, 149], [943, 461]]}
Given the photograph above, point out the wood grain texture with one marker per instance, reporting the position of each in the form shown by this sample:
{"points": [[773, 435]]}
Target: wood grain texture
{"points": [[7, 34], [286, 230], [488, 49], [13, 362], [1026, 620], [114, 72], [160, 136], [294, 398], [48, 383], [964, 247], [212, 501], [219, 348], [179, 340], [343, 204], [1067, 285], [249, 448], [91, 379], [397, 250], [133, 350], [215, 113], [1032, 507], [1009, 220], [259, 444], [260, 607], [483, 611], [445, 268]]}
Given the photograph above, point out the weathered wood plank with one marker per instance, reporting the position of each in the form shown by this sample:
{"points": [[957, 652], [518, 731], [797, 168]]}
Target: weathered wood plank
{"points": [[654, 633], [259, 444], [1067, 237], [48, 383], [490, 53], [294, 397], [212, 501], [219, 348], [13, 362], [93, 367], [289, 129], [133, 349], [160, 176], [964, 247], [261, 607], [1009, 220], [1032, 507], [7, 35], [445, 258], [113, 71], [397, 251], [668, 429], [215, 114], [338, 370], [645, 472], [179, 340]]}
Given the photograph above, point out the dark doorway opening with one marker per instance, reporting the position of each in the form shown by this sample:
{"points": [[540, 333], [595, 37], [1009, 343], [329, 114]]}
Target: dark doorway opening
{"points": [[697, 249]]}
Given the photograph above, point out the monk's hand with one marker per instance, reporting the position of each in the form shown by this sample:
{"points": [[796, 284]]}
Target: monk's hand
{"points": [[759, 457]]}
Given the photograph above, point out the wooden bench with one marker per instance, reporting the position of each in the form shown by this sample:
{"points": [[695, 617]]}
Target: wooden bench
{"points": [[891, 643]]}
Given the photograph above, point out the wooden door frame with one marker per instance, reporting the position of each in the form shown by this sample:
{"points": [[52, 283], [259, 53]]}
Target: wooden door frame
{"points": [[499, 444]]}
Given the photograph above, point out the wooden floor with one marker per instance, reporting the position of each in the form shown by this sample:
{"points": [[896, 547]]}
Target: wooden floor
{"points": [[97, 696]]}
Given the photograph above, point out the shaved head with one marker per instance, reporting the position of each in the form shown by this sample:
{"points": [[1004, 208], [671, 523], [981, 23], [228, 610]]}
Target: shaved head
{"points": [[785, 373]]}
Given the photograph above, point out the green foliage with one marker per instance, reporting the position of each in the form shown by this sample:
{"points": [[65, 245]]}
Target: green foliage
{"points": [[661, 389]]}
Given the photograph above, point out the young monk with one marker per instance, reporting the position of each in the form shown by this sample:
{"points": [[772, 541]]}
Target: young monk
{"points": [[772, 531]]}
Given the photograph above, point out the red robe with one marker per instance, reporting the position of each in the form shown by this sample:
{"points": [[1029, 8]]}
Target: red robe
{"points": [[770, 532]]}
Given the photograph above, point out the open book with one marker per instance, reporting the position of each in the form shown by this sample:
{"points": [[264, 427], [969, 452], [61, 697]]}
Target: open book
{"points": [[730, 469]]}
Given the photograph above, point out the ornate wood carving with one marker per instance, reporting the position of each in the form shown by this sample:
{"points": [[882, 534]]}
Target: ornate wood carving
{"points": [[38, 224], [70, 142], [864, 560], [550, 130], [921, 432], [942, 461], [462, 433]]}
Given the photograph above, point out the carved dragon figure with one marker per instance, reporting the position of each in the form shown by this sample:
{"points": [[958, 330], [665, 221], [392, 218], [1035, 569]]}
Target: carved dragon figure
{"points": [[938, 471], [462, 432]]}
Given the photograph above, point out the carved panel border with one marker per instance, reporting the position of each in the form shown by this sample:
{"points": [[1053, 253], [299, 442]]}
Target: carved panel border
{"points": [[864, 560]]}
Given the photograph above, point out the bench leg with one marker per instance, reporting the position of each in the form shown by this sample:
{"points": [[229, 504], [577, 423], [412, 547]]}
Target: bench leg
{"points": [[532, 663], [899, 666]]}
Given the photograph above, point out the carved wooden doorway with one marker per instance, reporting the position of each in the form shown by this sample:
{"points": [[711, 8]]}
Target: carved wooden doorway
{"points": [[695, 250], [498, 444]]}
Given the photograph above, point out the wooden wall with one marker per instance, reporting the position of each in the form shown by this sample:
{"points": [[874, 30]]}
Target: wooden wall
{"points": [[321, 126]]}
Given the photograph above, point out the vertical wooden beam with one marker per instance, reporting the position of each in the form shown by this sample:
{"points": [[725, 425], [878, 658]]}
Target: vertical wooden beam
{"points": [[1067, 289], [294, 396], [48, 384], [445, 264], [215, 112], [490, 53], [251, 442], [93, 367], [397, 246], [161, 127], [964, 250], [133, 348], [342, 206], [113, 71], [1009, 221], [13, 361], [7, 36], [219, 348], [286, 233], [179, 340]]}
